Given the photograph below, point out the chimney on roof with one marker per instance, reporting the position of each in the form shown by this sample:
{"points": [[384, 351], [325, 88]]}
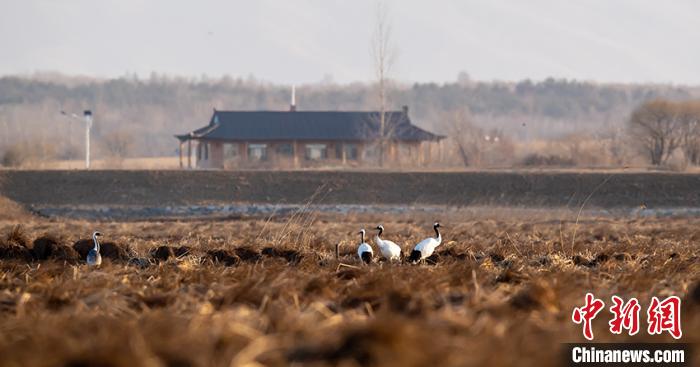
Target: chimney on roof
{"points": [[293, 105], [215, 117], [405, 110]]}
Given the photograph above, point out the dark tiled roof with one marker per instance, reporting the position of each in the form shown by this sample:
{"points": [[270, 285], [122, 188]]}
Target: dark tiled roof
{"points": [[307, 125]]}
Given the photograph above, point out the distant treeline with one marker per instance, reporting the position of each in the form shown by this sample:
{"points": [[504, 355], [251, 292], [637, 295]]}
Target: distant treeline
{"points": [[140, 116]]}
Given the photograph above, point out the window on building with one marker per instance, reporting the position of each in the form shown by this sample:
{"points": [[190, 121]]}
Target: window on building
{"points": [[372, 151], [231, 150], [405, 150], [285, 149], [257, 152], [350, 151], [202, 151], [339, 150], [316, 152]]}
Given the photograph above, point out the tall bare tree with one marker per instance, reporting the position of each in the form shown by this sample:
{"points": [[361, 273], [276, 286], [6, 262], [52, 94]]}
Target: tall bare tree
{"points": [[689, 114], [5, 125], [468, 139], [656, 126], [383, 54]]}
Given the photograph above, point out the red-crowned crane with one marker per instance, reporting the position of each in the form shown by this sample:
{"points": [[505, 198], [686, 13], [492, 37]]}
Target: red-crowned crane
{"points": [[426, 247], [364, 251], [94, 258], [390, 250]]}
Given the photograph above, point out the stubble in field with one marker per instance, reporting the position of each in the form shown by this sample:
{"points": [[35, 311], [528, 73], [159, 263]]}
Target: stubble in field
{"points": [[270, 291]]}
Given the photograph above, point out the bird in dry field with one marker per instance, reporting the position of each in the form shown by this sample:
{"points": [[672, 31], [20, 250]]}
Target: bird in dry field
{"points": [[94, 258], [364, 251], [426, 247], [390, 250]]}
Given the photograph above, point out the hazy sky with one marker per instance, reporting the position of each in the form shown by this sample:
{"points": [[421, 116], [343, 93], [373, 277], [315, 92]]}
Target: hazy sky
{"points": [[302, 41]]}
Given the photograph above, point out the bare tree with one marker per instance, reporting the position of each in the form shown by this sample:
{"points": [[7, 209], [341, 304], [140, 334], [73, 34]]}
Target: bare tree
{"points": [[689, 115], [656, 127], [14, 155], [117, 145], [468, 139], [383, 55], [6, 128], [615, 145]]}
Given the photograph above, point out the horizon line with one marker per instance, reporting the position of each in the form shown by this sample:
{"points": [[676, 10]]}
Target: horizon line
{"points": [[47, 75]]}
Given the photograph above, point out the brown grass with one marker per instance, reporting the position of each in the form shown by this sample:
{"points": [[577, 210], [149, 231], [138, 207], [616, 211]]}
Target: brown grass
{"points": [[270, 292], [10, 210], [110, 163]]}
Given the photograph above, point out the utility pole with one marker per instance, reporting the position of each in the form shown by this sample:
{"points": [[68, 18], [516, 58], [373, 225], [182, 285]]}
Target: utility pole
{"points": [[88, 125], [87, 115]]}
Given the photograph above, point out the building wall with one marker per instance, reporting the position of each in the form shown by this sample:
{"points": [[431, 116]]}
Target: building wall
{"points": [[298, 154], [210, 155]]}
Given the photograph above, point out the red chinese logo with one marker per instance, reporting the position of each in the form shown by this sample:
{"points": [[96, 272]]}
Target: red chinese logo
{"points": [[661, 315], [665, 316], [625, 316], [587, 313]]}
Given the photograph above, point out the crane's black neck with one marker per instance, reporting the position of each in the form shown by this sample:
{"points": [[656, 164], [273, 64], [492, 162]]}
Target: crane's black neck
{"points": [[362, 237], [437, 231], [380, 232]]}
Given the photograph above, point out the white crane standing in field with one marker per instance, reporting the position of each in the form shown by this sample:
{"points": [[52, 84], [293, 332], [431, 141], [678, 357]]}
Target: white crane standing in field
{"points": [[94, 258], [426, 247], [364, 251], [390, 250]]}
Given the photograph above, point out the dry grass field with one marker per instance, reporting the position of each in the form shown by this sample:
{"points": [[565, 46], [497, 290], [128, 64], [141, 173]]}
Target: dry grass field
{"points": [[270, 291], [137, 163]]}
